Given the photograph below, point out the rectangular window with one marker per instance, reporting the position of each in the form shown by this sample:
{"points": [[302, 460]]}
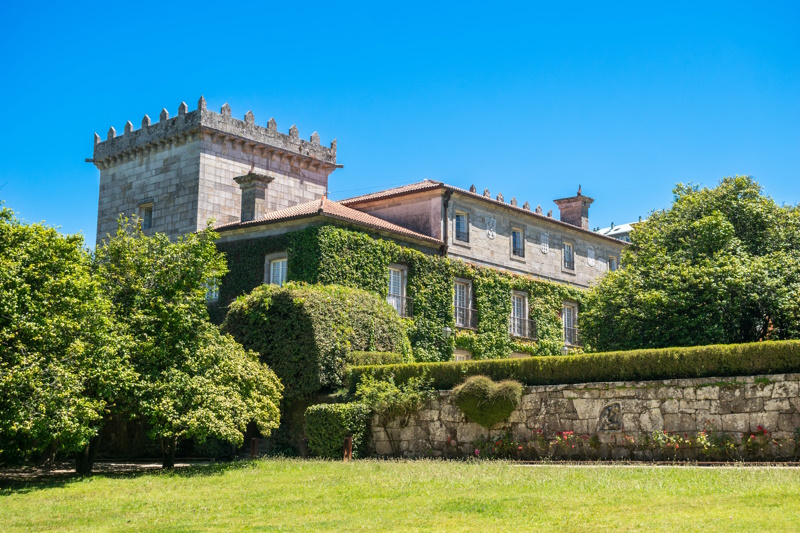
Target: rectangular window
{"points": [[569, 317], [462, 227], [517, 243], [463, 304], [569, 256], [146, 215], [212, 290], [277, 271], [397, 291], [612, 263], [519, 326]]}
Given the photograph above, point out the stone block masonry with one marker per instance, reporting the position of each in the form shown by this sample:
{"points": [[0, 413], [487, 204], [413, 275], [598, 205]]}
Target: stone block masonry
{"points": [[614, 415], [183, 168]]}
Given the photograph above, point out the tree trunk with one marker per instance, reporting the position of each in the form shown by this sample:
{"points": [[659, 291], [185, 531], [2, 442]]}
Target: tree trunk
{"points": [[169, 453], [84, 459]]}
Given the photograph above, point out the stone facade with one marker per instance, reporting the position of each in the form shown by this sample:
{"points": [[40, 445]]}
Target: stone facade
{"points": [[489, 243], [183, 168], [610, 412]]}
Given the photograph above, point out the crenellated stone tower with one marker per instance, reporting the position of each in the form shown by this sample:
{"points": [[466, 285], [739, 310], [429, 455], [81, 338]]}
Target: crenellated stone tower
{"points": [[179, 173]]}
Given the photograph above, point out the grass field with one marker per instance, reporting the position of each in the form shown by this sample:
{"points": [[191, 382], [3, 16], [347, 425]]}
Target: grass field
{"points": [[296, 495]]}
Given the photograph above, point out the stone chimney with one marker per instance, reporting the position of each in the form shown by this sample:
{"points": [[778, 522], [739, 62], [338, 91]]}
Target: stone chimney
{"points": [[254, 195], [575, 209]]}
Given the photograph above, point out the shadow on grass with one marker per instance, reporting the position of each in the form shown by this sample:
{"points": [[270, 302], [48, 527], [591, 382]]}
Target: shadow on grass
{"points": [[25, 482]]}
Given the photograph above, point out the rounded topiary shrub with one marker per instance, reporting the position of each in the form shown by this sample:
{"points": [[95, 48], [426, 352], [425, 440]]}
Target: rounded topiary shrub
{"points": [[487, 402], [304, 332]]}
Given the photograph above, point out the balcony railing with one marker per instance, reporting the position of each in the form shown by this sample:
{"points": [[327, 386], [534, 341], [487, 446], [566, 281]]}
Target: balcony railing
{"points": [[572, 337], [402, 304], [569, 263], [466, 317], [462, 236], [522, 327]]}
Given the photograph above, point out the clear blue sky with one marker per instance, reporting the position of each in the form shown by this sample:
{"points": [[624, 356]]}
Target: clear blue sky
{"points": [[528, 100]]}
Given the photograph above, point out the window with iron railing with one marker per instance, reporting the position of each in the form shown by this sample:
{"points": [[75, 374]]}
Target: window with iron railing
{"points": [[522, 327], [519, 325], [569, 317], [402, 304], [462, 227], [396, 296], [464, 314]]}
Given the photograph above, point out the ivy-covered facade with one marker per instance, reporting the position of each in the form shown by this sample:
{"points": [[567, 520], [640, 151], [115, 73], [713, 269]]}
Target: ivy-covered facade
{"points": [[327, 251]]}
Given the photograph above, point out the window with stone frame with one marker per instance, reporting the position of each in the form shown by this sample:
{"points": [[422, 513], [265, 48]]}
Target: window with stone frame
{"points": [[612, 263], [276, 269], [462, 304], [517, 242], [569, 255], [569, 318], [462, 227], [396, 295], [519, 325], [146, 215]]}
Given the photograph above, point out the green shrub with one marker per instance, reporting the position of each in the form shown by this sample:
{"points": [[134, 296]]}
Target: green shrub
{"points": [[374, 358], [389, 400], [487, 402], [303, 332], [327, 425], [639, 365]]}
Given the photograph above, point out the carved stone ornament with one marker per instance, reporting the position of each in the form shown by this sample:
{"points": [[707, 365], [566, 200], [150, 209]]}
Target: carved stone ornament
{"points": [[610, 418], [590, 256], [491, 228], [544, 243]]}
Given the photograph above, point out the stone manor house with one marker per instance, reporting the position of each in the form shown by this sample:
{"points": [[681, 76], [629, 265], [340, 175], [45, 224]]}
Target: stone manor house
{"points": [[180, 172]]}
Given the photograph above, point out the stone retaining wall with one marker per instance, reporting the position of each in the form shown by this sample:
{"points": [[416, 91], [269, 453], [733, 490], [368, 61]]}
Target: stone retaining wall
{"points": [[618, 419]]}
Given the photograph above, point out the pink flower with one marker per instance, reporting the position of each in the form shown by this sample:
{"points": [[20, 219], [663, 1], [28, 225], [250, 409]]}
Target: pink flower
{"points": [[477, 451]]}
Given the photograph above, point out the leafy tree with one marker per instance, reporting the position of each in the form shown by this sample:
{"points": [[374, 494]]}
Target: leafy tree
{"points": [[60, 366], [193, 381], [720, 265]]}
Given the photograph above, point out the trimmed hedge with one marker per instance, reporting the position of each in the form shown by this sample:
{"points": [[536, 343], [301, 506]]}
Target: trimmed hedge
{"points": [[374, 358], [328, 424], [638, 365], [304, 332]]}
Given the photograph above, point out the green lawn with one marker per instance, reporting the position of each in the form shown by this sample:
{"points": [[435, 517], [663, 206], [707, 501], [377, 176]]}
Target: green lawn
{"points": [[296, 495]]}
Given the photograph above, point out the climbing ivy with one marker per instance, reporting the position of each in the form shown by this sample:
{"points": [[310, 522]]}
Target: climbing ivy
{"points": [[334, 255]]}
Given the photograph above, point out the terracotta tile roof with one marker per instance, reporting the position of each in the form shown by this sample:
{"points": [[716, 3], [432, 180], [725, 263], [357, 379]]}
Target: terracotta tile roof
{"points": [[430, 185], [330, 209], [424, 185]]}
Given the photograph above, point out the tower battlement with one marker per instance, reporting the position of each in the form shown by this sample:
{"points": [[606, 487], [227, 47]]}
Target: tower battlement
{"points": [[178, 173], [188, 125]]}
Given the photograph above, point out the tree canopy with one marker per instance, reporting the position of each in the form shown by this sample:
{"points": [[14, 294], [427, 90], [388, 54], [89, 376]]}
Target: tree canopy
{"points": [[61, 368], [193, 381], [721, 265]]}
